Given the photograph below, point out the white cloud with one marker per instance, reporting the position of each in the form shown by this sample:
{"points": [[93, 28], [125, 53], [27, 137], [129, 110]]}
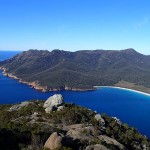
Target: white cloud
{"points": [[141, 23]]}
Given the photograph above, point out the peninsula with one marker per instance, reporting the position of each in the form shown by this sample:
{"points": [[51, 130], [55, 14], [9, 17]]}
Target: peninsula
{"points": [[80, 70]]}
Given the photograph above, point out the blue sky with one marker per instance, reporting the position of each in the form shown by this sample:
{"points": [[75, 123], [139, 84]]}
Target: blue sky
{"points": [[75, 24]]}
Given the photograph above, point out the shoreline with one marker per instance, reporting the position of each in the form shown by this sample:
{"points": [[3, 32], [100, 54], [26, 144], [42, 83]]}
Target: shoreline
{"points": [[37, 86], [123, 88]]}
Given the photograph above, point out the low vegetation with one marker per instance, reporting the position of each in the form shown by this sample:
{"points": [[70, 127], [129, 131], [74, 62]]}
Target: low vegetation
{"points": [[29, 127]]}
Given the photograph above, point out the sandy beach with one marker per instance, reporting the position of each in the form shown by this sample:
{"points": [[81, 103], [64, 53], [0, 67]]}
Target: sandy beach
{"points": [[124, 89]]}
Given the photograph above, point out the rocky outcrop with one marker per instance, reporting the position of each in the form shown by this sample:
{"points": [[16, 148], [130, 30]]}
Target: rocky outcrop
{"points": [[53, 142], [112, 141], [34, 117], [96, 147], [60, 108], [81, 131], [117, 120], [98, 117], [77, 128], [19, 106], [53, 103], [36, 85]]}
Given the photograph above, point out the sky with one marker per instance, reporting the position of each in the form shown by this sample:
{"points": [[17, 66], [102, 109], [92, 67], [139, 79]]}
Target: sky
{"points": [[75, 24]]}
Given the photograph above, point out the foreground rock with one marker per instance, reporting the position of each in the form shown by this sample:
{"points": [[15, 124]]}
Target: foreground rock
{"points": [[81, 131], [96, 147], [53, 103], [53, 142], [98, 117], [112, 141], [19, 106]]}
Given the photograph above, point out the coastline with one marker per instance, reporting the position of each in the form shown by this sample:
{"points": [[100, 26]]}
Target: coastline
{"points": [[37, 86], [123, 88]]}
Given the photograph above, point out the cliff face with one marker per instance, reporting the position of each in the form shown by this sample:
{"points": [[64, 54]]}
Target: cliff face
{"points": [[80, 70], [29, 126]]}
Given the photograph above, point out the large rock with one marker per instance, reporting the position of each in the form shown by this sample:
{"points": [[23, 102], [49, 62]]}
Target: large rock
{"points": [[80, 131], [112, 141], [49, 109], [53, 102], [53, 142], [98, 117], [60, 108], [19, 106], [96, 147]]}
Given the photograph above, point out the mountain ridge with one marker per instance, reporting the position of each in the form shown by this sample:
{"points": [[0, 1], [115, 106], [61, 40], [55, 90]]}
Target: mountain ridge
{"points": [[81, 69]]}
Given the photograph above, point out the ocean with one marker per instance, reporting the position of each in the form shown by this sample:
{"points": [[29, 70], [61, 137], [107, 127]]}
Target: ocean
{"points": [[7, 54], [130, 107]]}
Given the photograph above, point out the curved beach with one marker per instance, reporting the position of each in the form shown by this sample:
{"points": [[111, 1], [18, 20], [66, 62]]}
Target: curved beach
{"points": [[147, 94]]}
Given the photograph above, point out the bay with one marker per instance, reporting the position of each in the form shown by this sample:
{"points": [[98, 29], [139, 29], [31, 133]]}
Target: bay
{"points": [[130, 107]]}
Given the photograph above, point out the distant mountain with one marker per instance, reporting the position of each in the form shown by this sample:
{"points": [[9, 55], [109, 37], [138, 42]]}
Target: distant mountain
{"points": [[81, 69]]}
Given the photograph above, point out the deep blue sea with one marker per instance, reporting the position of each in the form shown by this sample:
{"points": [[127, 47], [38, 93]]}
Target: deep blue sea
{"points": [[131, 107], [7, 54]]}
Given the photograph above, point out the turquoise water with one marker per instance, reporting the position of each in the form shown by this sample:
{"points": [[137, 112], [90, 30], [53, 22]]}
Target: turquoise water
{"points": [[131, 107]]}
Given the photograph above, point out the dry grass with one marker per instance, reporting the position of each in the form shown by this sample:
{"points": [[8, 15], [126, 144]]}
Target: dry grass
{"points": [[133, 86]]}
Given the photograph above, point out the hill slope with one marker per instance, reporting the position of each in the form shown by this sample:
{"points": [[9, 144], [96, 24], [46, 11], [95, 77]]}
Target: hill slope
{"points": [[84, 69]]}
